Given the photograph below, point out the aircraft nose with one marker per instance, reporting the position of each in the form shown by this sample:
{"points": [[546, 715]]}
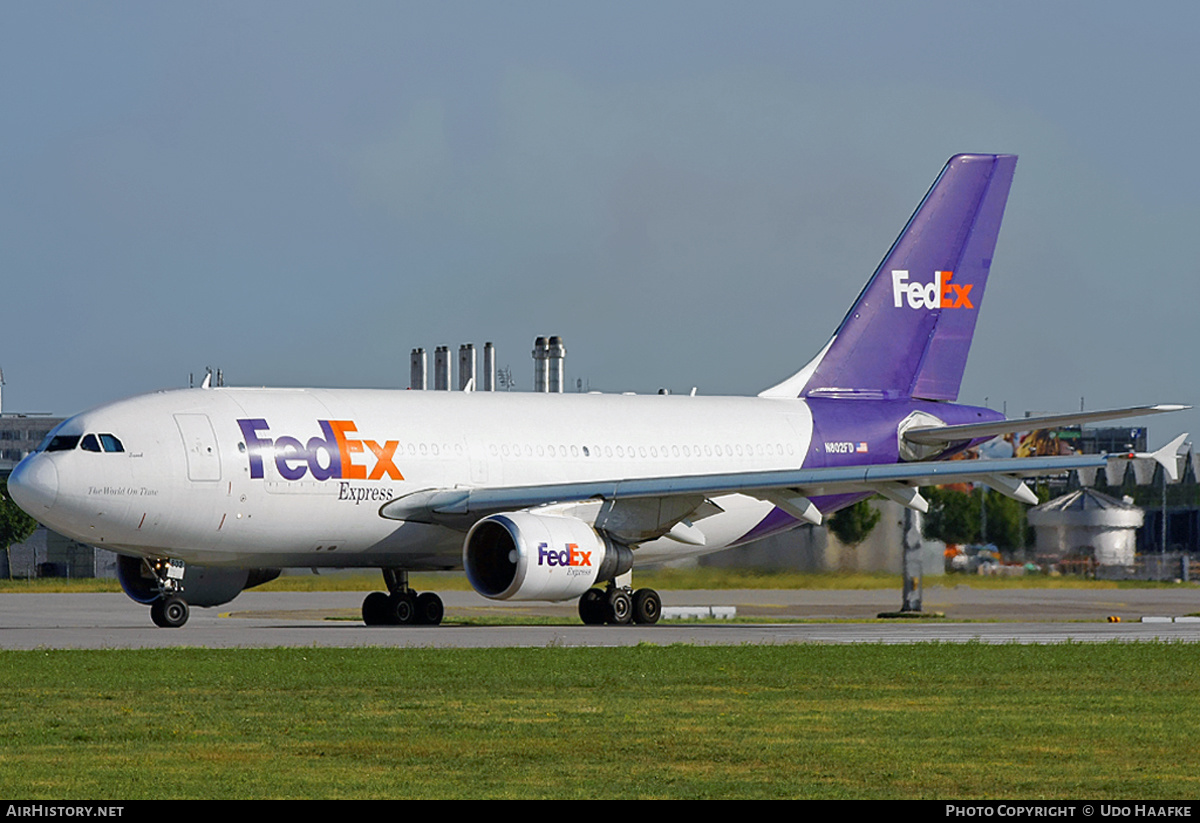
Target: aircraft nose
{"points": [[33, 484]]}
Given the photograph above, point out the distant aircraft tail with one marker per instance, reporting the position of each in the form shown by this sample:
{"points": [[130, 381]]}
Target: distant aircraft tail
{"points": [[910, 329]]}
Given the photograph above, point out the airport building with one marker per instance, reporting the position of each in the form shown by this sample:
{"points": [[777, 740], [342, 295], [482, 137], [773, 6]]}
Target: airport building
{"points": [[20, 434]]}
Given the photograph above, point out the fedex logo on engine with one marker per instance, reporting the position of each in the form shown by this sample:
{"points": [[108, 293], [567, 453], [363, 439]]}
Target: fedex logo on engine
{"points": [[331, 456], [569, 556], [940, 294]]}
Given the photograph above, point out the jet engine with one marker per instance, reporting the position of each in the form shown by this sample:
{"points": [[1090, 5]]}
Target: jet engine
{"points": [[202, 585], [527, 556]]}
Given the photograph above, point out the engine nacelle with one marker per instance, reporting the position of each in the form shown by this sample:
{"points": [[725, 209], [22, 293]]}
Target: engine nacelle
{"points": [[202, 585], [526, 556]]}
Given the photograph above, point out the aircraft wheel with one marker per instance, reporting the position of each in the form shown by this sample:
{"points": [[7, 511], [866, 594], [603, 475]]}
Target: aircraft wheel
{"points": [[429, 609], [620, 607], [375, 610], [647, 606], [169, 612], [402, 608], [592, 607]]}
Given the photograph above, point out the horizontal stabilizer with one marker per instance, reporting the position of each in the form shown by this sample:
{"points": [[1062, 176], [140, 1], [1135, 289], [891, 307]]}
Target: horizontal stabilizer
{"points": [[944, 435]]}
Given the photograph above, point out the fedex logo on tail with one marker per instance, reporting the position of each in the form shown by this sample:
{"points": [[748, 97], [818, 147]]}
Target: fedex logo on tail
{"points": [[940, 294], [331, 456]]}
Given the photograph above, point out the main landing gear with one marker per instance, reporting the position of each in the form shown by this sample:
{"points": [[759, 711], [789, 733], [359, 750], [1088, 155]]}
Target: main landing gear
{"points": [[619, 606], [401, 606]]}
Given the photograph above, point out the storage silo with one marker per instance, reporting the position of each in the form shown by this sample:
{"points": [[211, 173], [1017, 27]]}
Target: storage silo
{"points": [[1087, 523]]}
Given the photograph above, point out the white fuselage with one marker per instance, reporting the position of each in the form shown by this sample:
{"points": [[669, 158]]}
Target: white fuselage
{"points": [[253, 477]]}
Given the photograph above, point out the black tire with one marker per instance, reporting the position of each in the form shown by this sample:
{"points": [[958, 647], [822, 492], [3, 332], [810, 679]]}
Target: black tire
{"points": [[620, 607], [592, 607], [647, 606], [169, 612], [375, 609], [402, 608], [429, 609]]}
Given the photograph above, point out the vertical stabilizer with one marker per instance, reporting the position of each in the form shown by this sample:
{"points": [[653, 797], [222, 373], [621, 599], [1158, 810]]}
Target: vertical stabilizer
{"points": [[909, 331]]}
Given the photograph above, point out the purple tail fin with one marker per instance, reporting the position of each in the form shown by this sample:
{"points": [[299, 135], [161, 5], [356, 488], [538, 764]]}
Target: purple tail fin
{"points": [[910, 329]]}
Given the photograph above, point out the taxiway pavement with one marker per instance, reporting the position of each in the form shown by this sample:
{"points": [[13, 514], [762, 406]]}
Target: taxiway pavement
{"points": [[271, 619]]}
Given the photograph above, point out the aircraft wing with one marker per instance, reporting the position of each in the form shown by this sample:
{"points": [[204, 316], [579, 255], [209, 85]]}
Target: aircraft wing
{"points": [[788, 489], [942, 435]]}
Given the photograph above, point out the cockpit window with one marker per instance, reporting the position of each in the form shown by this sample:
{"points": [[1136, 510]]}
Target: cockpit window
{"points": [[88, 442], [100, 442], [62, 443]]}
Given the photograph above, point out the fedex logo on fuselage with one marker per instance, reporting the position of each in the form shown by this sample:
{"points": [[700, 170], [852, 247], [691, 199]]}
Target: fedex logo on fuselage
{"points": [[569, 556], [327, 457], [940, 294]]}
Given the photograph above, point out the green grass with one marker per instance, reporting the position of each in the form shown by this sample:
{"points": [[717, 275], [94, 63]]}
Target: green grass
{"points": [[927, 721]]}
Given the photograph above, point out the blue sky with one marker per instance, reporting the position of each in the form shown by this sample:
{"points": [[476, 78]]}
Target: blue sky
{"points": [[690, 193]]}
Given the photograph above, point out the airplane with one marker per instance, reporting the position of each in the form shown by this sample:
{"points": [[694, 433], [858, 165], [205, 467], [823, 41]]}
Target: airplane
{"points": [[207, 491]]}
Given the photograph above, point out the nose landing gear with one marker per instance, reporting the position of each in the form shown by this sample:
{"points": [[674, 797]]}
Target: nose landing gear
{"points": [[169, 610]]}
